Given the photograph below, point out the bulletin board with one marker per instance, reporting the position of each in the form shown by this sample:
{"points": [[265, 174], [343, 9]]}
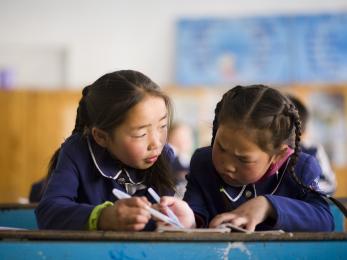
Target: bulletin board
{"points": [[282, 50]]}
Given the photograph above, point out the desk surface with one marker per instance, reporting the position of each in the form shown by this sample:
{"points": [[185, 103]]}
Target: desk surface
{"points": [[12, 206], [167, 236]]}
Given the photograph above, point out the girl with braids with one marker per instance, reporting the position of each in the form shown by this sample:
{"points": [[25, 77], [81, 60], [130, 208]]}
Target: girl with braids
{"points": [[119, 141], [253, 175]]}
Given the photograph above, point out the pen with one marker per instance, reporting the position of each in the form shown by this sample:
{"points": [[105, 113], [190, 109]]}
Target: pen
{"points": [[122, 195], [172, 215]]}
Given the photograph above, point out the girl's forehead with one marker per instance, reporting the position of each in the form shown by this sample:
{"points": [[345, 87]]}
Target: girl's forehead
{"points": [[149, 110], [237, 135], [230, 127], [260, 138], [230, 133]]}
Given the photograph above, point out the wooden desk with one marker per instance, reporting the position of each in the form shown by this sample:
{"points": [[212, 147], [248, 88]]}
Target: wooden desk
{"points": [[153, 245]]}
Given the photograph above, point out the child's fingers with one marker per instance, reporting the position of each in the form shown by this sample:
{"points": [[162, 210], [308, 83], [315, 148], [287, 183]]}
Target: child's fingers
{"points": [[167, 201], [134, 217], [141, 219], [175, 204], [250, 226], [137, 214], [162, 224], [136, 202], [127, 212], [135, 227], [220, 219], [161, 208], [239, 221], [157, 206]]}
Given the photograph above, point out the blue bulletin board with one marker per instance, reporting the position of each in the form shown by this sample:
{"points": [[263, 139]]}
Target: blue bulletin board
{"points": [[271, 50]]}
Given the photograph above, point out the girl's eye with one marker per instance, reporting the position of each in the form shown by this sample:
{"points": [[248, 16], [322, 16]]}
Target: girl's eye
{"points": [[139, 136], [244, 161]]}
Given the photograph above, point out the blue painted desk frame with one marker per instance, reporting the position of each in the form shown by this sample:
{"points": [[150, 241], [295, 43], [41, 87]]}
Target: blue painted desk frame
{"points": [[153, 245], [18, 216]]}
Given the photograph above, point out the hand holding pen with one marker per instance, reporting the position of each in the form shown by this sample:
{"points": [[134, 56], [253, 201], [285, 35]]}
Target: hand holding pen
{"points": [[122, 195], [125, 215], [182, 210], [171, 215]]}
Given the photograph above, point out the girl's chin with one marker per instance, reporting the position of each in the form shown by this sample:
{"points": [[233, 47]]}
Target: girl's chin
{"points": [[232, 182]]}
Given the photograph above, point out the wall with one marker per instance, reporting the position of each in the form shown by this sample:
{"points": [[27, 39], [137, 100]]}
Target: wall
{"points": [[95, 37]]}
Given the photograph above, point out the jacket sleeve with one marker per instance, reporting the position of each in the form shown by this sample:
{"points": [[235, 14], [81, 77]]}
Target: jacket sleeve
{"points": [[307, 212], [59, 207], [194, 195]]}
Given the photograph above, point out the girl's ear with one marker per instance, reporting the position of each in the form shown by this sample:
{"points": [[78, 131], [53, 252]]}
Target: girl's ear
{"points": [[281, 154], [100, 136]]}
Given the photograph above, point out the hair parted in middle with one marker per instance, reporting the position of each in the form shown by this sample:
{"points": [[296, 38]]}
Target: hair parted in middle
{"points": [[264, 114], [105, 105]]}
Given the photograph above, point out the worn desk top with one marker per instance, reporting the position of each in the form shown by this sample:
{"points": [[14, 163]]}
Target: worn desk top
{"points": [[57, 235]]}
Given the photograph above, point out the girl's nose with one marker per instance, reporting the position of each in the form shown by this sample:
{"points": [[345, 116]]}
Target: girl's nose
{"points": [[230, 166], [154, 142]]}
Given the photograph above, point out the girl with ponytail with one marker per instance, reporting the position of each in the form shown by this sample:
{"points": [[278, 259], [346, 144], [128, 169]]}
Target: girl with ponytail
{"points": [[119, 141], [253, 175]]}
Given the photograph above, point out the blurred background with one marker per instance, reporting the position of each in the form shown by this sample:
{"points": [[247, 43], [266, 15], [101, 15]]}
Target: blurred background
{"points": [[194, 49]]}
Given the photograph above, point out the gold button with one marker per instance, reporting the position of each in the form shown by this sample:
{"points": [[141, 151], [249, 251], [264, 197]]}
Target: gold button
{"points": [[248, 194]]}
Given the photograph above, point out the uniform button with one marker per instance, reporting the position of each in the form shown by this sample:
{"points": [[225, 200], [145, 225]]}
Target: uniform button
{"points": [[248, 194], [121, 181]]}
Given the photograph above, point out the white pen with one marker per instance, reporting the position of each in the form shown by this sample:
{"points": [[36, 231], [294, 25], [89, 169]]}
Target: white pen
{"points": [[172, 215], [122, 195]]}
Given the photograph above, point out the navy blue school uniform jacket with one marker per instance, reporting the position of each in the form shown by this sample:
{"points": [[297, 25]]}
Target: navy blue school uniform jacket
{"points": [[82, 179], [296, 209]]}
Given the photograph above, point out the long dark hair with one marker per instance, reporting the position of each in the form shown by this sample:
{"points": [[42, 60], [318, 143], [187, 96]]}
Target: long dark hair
{"points": [[105, 103]]}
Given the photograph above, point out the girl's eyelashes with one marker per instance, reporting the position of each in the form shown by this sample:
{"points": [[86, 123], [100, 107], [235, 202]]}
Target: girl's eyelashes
{"points": [[244, 160], [139, 135]]}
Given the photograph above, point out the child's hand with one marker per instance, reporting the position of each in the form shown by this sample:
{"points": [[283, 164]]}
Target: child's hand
{"points": [[247, 216], [181, 209], [126, 214]]}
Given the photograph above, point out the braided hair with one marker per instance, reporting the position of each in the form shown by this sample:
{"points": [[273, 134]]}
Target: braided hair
{"points": [[105, 103], [265, 114], [271, 118]]}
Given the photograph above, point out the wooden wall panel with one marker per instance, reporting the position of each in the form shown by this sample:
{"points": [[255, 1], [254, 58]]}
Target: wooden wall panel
{"points": [[12, 151], [341, 177], [33, 125]]}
